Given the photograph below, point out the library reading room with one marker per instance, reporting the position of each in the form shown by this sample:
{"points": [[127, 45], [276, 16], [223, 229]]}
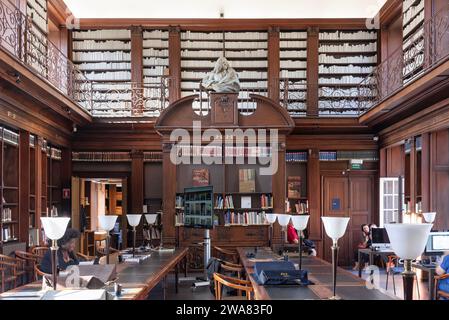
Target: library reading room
{"points": [[224, 150]]}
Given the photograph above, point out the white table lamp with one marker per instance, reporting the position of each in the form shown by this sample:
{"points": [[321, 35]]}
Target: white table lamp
{"points": [[151, 219], [54, 228], [134, 220], [284, 220], [408, 242], [335, 228], [107, 223], [271, 218], [300, 224], [429, 217]]}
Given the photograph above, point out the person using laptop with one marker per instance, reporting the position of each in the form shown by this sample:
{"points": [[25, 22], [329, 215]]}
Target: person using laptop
{"points": [[442, 269]]}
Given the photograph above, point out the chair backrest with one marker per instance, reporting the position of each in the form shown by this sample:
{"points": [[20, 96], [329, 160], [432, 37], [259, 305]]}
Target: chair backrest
{"points": [[38, 272], [226, 254], [233, 283], [39, 251]]}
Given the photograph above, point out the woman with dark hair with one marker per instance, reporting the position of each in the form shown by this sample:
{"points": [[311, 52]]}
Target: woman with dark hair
{"points": [[66, 252], [365, 242]]}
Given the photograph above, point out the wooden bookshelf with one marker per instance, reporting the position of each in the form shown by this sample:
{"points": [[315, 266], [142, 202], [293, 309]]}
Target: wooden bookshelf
{"points": [[293, 69], [54, 175], [346, 58], [413, 38], [296, 172], [9, 186], [105, 57]]}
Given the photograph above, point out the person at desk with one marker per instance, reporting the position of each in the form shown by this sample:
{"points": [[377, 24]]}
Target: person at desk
{"points": [[443, 269], [365, 242], [292, 238], [66, 252]]}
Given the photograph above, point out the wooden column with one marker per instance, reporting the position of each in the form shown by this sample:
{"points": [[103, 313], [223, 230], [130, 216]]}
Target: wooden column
{"points": [[66, 180], [279, 188], [39, 180], [169, 196], [137, 70], [412, 174], [312, 71], [24, 185], [426, 171], [314, 193], [136, 182], [383, 162], [174, 62], [273, 63]]}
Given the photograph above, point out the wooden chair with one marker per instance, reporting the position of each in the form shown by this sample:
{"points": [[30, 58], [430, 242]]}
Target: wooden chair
{"points": [[226, 255], [397, 269], [39, 252], [83, 257], [439, 293], [8, 272], [233, 268], [38, 274], [102, 250], [29, 260], [233, 283]]}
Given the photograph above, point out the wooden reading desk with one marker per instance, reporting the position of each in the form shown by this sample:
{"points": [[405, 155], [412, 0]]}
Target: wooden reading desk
{"points": [[349, 286], [137, 280]]}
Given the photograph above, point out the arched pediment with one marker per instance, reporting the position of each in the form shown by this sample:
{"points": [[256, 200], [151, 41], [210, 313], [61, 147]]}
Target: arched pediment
{"points": [[224, 114]]}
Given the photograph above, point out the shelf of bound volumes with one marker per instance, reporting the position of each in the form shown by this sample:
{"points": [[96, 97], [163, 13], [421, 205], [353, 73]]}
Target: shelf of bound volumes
{"points": [[293, 71], [101, 156], [413, 38], [300, 156], [346, 58], [246, 52], [37, 36], [155, 68], [9, 185], [105, 58], [365, 155]]}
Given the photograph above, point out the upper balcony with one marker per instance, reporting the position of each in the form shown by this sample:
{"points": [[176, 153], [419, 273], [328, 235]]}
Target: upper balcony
{"points": [[363, 97]]}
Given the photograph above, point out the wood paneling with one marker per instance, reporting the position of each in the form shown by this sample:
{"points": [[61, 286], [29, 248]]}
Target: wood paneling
{"points": [[137, 176], [174, 62], [273, 63], [24, 185]]}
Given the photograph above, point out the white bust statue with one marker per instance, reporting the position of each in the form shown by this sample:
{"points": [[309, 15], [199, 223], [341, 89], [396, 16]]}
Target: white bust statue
{"points": [[222, 79]]}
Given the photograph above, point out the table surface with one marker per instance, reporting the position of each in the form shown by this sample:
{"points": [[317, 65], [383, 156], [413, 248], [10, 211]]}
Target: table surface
{"points": [[349, 286], [137, 280]]}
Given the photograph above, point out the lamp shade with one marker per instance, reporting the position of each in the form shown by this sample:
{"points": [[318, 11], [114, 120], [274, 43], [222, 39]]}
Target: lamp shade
{"points": [[284, 219], [429, 216], [300, 222], [335, 226], [133, 219], [408, 240], [107, 222], [271, 217], [151, 218], [54, 227]]}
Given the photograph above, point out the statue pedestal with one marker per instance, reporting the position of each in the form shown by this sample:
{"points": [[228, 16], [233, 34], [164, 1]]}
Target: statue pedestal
{"points": [[224, 111]]}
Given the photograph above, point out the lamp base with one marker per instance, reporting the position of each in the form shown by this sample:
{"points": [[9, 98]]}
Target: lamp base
{"points": [[335, 298]]}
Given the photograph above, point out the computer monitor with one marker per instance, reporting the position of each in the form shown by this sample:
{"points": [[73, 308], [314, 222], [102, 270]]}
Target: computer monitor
{"points": [[437, 243], [380, 237]]}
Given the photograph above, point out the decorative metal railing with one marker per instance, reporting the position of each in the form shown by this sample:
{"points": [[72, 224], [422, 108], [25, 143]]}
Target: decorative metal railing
{"points": [[427, 48]]}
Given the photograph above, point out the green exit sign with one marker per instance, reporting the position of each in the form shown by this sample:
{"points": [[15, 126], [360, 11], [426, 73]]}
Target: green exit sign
{"points": [[356, 164]]}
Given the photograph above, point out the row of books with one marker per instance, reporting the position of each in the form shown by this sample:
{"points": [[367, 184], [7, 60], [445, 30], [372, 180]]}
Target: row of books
{"points": [[155, 71], [105, 66], [55, 153], [40, 19], [341, 80], [109, 75], [328, 155], [40, 6], [155, 43], [298, 64], [9, 136], [234, 64], [406, 4], [300, 207], [103, 34], [101, 156], [244, 74], [155, 34], [152, 156], [344, 69], [416, 39], [108, 45], [266, 201], [231, 54], [293, 35], [8, 234], [6, 215], [111, 87], [347, 47], [348, 35], [218, 45], [190, 85], [293, 54], [298, 74], [192, 35], [360, 59], [244, 218], [151, 52], [419, 19], [412, 12], [147, 61], [296, 156], [102, 56], [229, 151]]}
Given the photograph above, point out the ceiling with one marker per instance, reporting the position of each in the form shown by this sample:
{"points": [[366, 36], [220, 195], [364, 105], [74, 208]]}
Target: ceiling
{"points": [[238, 9]]}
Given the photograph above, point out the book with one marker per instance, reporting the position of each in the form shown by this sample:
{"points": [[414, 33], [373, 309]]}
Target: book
{"points": [[245, 202], [294, 186], [200, 177]]}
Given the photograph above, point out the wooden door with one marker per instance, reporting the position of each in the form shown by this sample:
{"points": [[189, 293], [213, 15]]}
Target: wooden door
{"points": [[347, 197], [336, 204]]}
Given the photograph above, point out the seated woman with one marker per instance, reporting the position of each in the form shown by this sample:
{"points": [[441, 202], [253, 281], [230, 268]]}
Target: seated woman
{"points": [[292, 238], [365, 242], [66, 252], [442, 269]]}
